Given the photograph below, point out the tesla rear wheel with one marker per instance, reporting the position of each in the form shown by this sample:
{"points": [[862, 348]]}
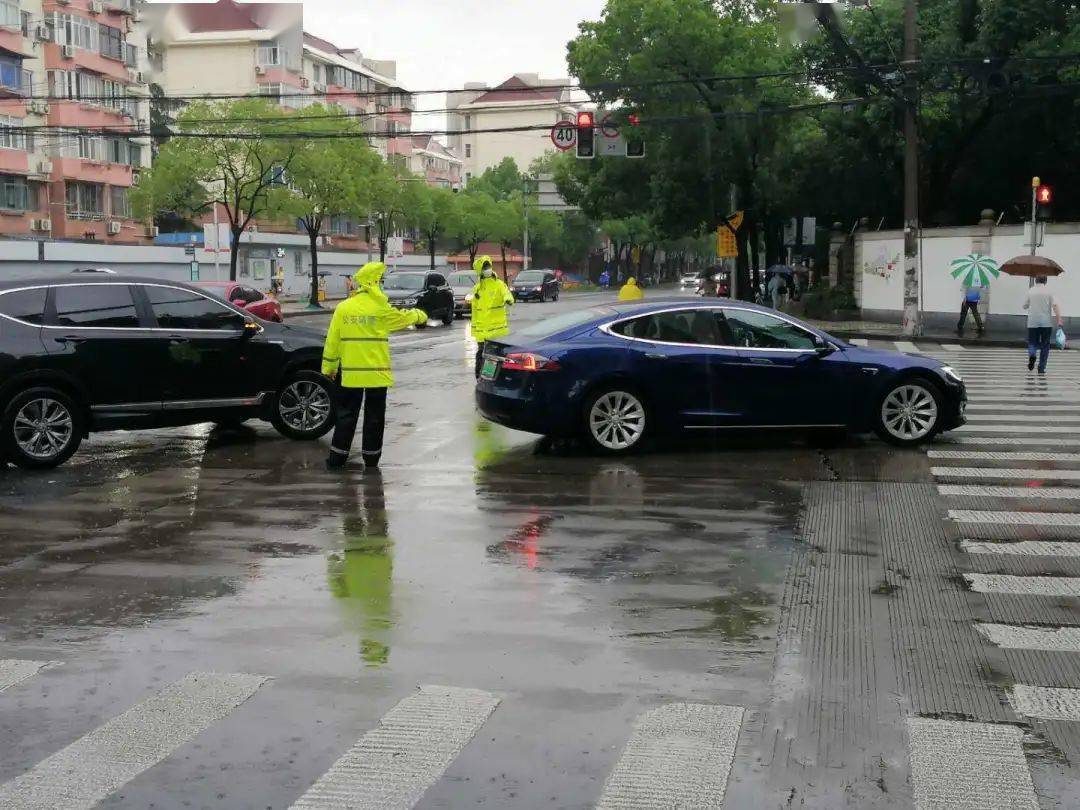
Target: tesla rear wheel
{"points": [[304, 407], [616, 420], [910, 413], [42, 428]]}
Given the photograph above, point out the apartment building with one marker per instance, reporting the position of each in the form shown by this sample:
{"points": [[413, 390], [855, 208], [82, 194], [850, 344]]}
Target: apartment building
{"points": [[71, 87], [523, 100], [435, 162]]}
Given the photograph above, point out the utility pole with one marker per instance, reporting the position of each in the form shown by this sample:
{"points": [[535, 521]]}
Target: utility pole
{"points": [[912, 323], [525, 209], [1035, 182]]}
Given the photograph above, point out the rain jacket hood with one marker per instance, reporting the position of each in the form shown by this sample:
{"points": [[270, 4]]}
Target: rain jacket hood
{"points": [[631, 291], [478, 265], [367, 280]]}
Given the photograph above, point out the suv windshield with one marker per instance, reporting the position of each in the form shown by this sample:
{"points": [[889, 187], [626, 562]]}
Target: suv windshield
{"points": [[403, 281], [529, 277], [463, 280]]}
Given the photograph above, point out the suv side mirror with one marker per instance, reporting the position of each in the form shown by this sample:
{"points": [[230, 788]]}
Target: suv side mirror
{"points": [[251, 328]]}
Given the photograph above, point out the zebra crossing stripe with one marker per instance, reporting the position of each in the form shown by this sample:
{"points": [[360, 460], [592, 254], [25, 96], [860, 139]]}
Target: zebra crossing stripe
{"points": [[1011, 418], [1038, 493], [393, 765], [952, 347], [1023, 586], [992, 473], [16, 670], [1045, 702], [680, 755], [1007, 441], [113, 754], [906, 346], [1015, 518], [958, 764], [1021, 455], [983, 405], [1023, 548], [1042, 429], [1017, 637]]}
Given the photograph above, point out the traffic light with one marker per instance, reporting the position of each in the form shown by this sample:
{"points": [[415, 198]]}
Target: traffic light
{"points": [[1044, 199], [635, 143], [586, 135]]}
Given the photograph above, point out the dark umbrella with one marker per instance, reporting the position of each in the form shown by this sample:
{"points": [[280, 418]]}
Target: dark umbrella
{"points": [[781, 270], [1031, 266]]}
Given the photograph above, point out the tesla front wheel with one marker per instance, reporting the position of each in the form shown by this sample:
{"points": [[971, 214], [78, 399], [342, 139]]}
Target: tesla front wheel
{"points": [[42, 428], [616, 420], [909, 413], [304, 407]]}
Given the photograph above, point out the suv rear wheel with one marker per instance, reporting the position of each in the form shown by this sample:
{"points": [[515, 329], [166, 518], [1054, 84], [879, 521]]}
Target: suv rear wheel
{"points": [[304, 406], [41, 428]]}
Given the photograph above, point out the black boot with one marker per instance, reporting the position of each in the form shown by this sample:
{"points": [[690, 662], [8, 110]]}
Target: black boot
{"points": [[1031, 363]]}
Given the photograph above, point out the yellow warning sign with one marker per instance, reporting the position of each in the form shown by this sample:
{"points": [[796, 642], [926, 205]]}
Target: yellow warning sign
{"points": [[727, 247]]}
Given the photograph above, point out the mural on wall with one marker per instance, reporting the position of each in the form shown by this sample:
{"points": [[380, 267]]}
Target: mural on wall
{"points": [[881, 264]]}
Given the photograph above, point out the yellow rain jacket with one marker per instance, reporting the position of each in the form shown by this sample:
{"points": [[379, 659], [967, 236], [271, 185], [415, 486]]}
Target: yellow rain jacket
{"points": [[631, 291], [490, 298], [359, 338]]}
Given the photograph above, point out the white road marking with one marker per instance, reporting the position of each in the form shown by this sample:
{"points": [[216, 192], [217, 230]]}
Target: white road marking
{"points": [[990, 455], [1024, 586], [952, 347], [1041, 428], [17, 670], [906, 346], [1017, 637], [990, 472], [393, 765], [1032, 401], [1041, 407], [859, 342], [1008, 441], [956, 764], [1024, 548], [1039, 493], [680, 755], [1045, 702], [1011, 418], [1015, 518], [113, 754]]}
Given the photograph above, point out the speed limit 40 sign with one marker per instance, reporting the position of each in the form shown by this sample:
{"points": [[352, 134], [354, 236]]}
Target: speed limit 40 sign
{"points": [[564, 135]]}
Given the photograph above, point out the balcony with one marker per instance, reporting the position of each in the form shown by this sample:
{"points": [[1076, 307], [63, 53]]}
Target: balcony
{"points": [[14, 81], [272, 56]]}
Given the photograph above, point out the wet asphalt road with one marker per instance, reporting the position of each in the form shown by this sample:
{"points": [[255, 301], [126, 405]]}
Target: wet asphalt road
{"points": [[763, 573]]}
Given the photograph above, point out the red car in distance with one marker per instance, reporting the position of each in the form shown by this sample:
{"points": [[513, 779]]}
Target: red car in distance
{"points": [[247, 298]]}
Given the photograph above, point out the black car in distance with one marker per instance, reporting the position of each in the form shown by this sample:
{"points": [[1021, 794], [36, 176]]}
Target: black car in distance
{"points": [[430, 292], [83, 353], [536, 285]]}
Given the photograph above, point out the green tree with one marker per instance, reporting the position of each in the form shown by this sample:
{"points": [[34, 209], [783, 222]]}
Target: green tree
{"points": [[434, 212], [501, 182], [387, 199], [229, 154], [507, 227], [330, 173], [475, 220]]}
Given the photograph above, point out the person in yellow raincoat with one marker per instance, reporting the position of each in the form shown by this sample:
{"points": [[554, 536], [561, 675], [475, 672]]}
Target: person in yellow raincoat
{"points": [[357, 355], [490, 298], [631, 291]]}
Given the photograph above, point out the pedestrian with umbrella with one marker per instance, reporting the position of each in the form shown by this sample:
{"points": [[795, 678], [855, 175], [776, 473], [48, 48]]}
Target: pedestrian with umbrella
{"points": [[974, 272], [1043, 311], [777, 286]]}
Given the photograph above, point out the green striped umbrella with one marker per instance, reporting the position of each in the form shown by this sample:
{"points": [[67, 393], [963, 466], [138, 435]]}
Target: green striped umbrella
{"points": [[974, 270]]}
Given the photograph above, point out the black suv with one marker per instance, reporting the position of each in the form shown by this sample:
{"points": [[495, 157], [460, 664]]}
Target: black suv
{"points": [[82, 353], [411, 289], [536, 285]]}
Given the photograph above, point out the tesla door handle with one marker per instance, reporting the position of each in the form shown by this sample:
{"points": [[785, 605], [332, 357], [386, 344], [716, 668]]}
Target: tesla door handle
{"points": [[70, 339], [761, 361], [177, 340], [656, 356]]}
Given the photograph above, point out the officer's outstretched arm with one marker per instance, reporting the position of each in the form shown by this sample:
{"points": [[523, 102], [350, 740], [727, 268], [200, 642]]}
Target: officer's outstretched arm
{"points": [[398, 319], [508, 297], [331, 356]]}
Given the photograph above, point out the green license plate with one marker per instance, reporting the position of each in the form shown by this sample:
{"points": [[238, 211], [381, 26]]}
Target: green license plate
{"points": [[488, 370]]}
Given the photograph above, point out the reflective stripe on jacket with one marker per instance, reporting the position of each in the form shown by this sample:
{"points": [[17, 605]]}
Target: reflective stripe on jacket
{"points": [[489, 318], [359, 339]]}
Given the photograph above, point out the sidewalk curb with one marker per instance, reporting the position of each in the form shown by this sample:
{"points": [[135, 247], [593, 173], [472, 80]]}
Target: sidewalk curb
{"points": [[996, 342]]}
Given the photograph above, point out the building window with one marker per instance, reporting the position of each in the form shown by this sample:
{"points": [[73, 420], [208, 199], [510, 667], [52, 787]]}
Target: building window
{"points": [[317, 72], [91, 89], [131, 55], [13, 77], [468, 177], [271, 56], [85, 200], [71, 30], [468, 122], [468, 150], [10, 135], [119, 204], [16, 194], [112, 42], [10, 14]]}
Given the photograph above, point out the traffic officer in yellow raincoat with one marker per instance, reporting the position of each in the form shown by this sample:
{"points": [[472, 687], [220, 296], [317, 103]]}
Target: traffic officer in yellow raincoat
{"points": [[631, 291], [357, 354], [490, 298]]}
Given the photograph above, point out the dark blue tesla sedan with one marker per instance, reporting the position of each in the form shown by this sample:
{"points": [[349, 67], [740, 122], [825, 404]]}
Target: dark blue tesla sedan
{"points": [[620, 374]]}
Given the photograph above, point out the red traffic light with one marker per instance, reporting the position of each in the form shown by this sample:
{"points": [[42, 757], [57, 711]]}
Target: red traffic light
{"points": [[1044, 194], [584, 119], [633, 119]]}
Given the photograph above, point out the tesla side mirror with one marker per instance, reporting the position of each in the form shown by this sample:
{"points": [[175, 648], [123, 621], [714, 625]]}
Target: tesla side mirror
{"points": [[823, 347], [251, 328]]}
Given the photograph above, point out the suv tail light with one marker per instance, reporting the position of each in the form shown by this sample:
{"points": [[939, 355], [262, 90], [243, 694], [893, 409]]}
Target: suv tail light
{"points": [[527, 361]]}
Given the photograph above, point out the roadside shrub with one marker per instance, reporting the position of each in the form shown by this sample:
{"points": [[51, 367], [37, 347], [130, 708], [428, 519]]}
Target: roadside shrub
{"points": [[823, 301]]}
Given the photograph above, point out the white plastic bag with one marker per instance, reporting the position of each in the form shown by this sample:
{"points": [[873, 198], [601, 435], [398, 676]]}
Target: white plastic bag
{"points": [[1059, 338]]}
